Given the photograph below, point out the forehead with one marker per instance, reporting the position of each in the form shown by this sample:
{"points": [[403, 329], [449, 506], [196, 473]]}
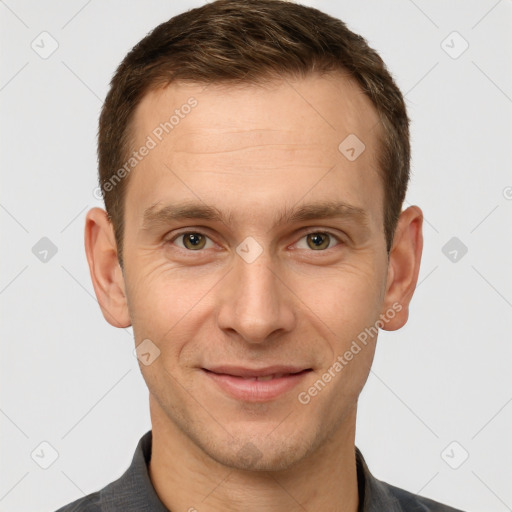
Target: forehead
{"points": [[311, 108], [239, 146]]}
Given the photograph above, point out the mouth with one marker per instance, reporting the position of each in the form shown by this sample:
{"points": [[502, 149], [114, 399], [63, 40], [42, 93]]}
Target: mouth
{"points": [[256, 385]]}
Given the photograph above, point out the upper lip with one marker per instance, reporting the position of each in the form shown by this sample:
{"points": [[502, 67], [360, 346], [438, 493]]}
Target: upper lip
{"points": [[239, 371]]}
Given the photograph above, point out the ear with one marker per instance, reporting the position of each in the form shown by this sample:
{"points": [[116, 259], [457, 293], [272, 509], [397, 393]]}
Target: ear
{"points": [[106, 273], [403, 267]]}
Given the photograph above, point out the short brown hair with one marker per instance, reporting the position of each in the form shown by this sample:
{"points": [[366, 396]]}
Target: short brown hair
{"points": [[245, 41]]}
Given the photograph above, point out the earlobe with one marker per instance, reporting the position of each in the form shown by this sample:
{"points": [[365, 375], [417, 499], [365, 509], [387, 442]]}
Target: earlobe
{"points": [[403, 267], [106, 274]]}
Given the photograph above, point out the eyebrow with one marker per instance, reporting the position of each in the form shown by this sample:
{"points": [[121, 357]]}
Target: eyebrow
{"points": [[155, 215]]}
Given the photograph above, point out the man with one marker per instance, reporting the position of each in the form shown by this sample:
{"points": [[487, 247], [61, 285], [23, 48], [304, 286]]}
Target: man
{"points": [[254, 159]]}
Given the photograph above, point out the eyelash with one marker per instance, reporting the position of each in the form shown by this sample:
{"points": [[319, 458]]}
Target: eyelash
{"points": [[197, 232]]}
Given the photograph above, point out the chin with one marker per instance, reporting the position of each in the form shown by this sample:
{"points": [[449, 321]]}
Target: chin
{"points": [[259, 453]]}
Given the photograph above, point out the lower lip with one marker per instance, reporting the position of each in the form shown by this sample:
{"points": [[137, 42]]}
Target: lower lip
{"points": [[254, 390]]}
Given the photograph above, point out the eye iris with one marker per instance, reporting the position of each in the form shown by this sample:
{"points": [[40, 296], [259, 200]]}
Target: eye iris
{"points": [[194, 241], [318, 240]]}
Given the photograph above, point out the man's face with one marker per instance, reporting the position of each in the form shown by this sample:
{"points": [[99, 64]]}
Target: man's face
{"points": [[258, 287]]}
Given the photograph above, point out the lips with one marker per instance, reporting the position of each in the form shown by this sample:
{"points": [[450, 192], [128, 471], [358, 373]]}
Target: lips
{"points": [[266, 373], [256, 385]]}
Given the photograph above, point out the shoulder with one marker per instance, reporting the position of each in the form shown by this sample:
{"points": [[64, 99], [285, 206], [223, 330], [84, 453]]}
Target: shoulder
{"points": [[410, 502], [89, 503], [379, 495], [131, 492]]}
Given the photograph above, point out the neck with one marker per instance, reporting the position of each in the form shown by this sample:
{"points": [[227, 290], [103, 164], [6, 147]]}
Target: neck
{"points": [[188, 479]]}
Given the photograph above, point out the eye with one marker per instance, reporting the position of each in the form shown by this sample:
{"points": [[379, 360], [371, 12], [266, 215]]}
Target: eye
{"points": [[317, 241], [192, 241]]}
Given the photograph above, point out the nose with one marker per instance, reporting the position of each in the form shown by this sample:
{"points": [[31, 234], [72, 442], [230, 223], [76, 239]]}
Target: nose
{"points": [[255, 302]]}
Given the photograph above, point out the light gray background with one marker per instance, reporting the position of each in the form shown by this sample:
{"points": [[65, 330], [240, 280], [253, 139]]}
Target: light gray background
{"points": [[70, 379]]}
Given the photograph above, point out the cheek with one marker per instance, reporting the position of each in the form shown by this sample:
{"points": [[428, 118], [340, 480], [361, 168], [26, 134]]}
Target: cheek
{"points": [[349, 304], [347, 299], [166, 304]]}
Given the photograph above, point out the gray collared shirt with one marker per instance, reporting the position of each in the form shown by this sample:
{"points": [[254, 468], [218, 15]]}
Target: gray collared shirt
{"points": [[134, 492]]}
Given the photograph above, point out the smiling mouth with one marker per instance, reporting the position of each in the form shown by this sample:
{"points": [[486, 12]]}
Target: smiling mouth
{"points": [[256, 388]]}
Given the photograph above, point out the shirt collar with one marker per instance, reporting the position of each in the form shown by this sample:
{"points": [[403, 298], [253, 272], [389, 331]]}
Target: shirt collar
{"points": [[133, 491], [374, 495]]}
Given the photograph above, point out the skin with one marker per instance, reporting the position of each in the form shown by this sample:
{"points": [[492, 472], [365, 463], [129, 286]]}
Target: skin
{"points": [[254, 151]]}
